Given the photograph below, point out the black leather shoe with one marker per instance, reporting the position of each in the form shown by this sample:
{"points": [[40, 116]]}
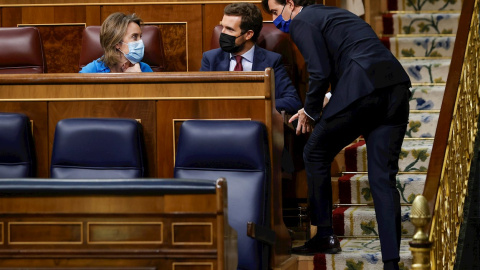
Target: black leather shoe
{"points": [[329, 244]]}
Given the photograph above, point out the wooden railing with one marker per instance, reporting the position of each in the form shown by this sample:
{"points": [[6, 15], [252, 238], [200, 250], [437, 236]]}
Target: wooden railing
{"points": [[448, 172]]}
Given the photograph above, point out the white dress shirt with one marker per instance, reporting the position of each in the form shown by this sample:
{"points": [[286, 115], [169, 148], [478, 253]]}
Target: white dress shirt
{"points": [[247, 60]]}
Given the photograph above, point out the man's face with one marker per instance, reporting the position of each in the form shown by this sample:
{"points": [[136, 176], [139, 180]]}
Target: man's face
{"points": [[231, 26], [275, 9]]}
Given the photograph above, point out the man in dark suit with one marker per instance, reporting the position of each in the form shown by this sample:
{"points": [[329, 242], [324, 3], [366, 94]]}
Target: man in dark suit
{"points": [[370, 93], [242, 23]]}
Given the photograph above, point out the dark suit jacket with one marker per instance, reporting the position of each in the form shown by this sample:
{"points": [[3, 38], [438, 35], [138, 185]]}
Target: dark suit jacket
{"points": [[286, 97], [342, 50]]}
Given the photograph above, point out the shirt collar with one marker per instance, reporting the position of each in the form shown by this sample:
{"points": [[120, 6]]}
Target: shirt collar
{"points": [[247, 55], [101, 67]]}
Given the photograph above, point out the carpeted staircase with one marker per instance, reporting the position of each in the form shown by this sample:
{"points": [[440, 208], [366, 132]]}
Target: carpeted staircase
{"points": [[421, 34]]}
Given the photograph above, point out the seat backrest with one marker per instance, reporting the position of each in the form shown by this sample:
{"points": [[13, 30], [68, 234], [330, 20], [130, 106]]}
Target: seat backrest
{"points": [[238, 151], [21, 51], [17, 151], [271, 39], [98, 148], [151, 36]]}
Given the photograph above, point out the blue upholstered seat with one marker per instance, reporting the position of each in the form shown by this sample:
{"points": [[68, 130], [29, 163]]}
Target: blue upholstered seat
{"points": [[98, 148], [17, 151], [238, 151]]}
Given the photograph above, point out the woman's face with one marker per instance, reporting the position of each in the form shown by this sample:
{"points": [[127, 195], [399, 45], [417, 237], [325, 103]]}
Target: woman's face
{"points": [[134, 33]]}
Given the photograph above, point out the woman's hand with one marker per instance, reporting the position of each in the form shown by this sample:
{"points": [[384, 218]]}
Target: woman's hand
{"points": [[129, 67], [305, 124]]}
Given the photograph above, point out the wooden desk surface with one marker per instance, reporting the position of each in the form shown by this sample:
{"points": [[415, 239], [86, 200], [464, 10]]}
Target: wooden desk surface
{"points": [[142, 86]]}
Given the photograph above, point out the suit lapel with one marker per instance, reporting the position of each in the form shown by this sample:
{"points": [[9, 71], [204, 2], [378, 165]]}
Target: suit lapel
{"points": [[223, 61], [259, 60]]}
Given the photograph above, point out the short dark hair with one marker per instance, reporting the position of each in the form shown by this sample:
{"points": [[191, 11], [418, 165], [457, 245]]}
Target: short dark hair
{"points": [[251, 17], [302, 3]]}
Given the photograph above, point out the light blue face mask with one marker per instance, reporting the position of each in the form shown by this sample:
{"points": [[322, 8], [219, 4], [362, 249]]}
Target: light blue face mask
{"points": [[135, 51], [281, 24]]}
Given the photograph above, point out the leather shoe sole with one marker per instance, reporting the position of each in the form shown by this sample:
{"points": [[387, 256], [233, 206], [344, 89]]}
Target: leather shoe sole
{"points": [[328, 245]]}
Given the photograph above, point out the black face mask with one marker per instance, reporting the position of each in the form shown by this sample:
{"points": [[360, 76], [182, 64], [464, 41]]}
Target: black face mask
{"points": [[227, 43]]}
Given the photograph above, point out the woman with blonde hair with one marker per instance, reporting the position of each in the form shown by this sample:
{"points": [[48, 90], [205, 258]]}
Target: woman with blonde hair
{"points": [[121, 39]]}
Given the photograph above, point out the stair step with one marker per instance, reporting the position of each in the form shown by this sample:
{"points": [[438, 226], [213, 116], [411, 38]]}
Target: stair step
{"points": [[360, 221], [441, 46], [426, 97], [422, 5], [414, 157], [426, 71], [422, 125], [420, 23], [355, 189], [357, 254]]}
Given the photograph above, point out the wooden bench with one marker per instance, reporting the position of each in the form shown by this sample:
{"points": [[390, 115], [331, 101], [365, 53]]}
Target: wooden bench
{"points": [[141, 223]]}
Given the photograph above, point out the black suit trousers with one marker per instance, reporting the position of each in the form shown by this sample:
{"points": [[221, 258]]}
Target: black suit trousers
{"points": [[382, 119]]}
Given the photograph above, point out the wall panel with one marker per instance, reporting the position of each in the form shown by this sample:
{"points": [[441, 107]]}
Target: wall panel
{"points": [[62, 45], [213, 15], [92, 16], [38, 15], [174, 37], [11, 16]]}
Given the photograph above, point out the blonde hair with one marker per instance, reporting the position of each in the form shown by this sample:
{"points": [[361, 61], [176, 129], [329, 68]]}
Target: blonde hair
{"points": [[112, 32]]}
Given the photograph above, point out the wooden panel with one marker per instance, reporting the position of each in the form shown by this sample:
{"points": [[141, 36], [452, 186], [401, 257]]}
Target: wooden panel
{"points": [[93, 204], [212, 16], [189, 14], [31, 233], [37, 15], [174, 38], [37, 112], [192, 233], [93, 15], [117, 263], [62, 45], [196, 109], [11, 16], [125, 233], [171, 204], [51, 14], [144, 110], [70, 14], [192, 266], [335, 3]]}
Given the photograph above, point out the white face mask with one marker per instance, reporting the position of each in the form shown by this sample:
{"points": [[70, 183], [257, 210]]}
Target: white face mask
{"points": [[136, 50]]}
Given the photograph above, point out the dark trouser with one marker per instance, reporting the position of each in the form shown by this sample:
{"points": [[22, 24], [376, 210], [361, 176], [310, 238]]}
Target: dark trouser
{"points": [[381, 118]]}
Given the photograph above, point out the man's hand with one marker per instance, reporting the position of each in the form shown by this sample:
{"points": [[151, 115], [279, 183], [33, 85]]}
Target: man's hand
{"points": [[305, 124], [129, 67], [325, 101]]}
